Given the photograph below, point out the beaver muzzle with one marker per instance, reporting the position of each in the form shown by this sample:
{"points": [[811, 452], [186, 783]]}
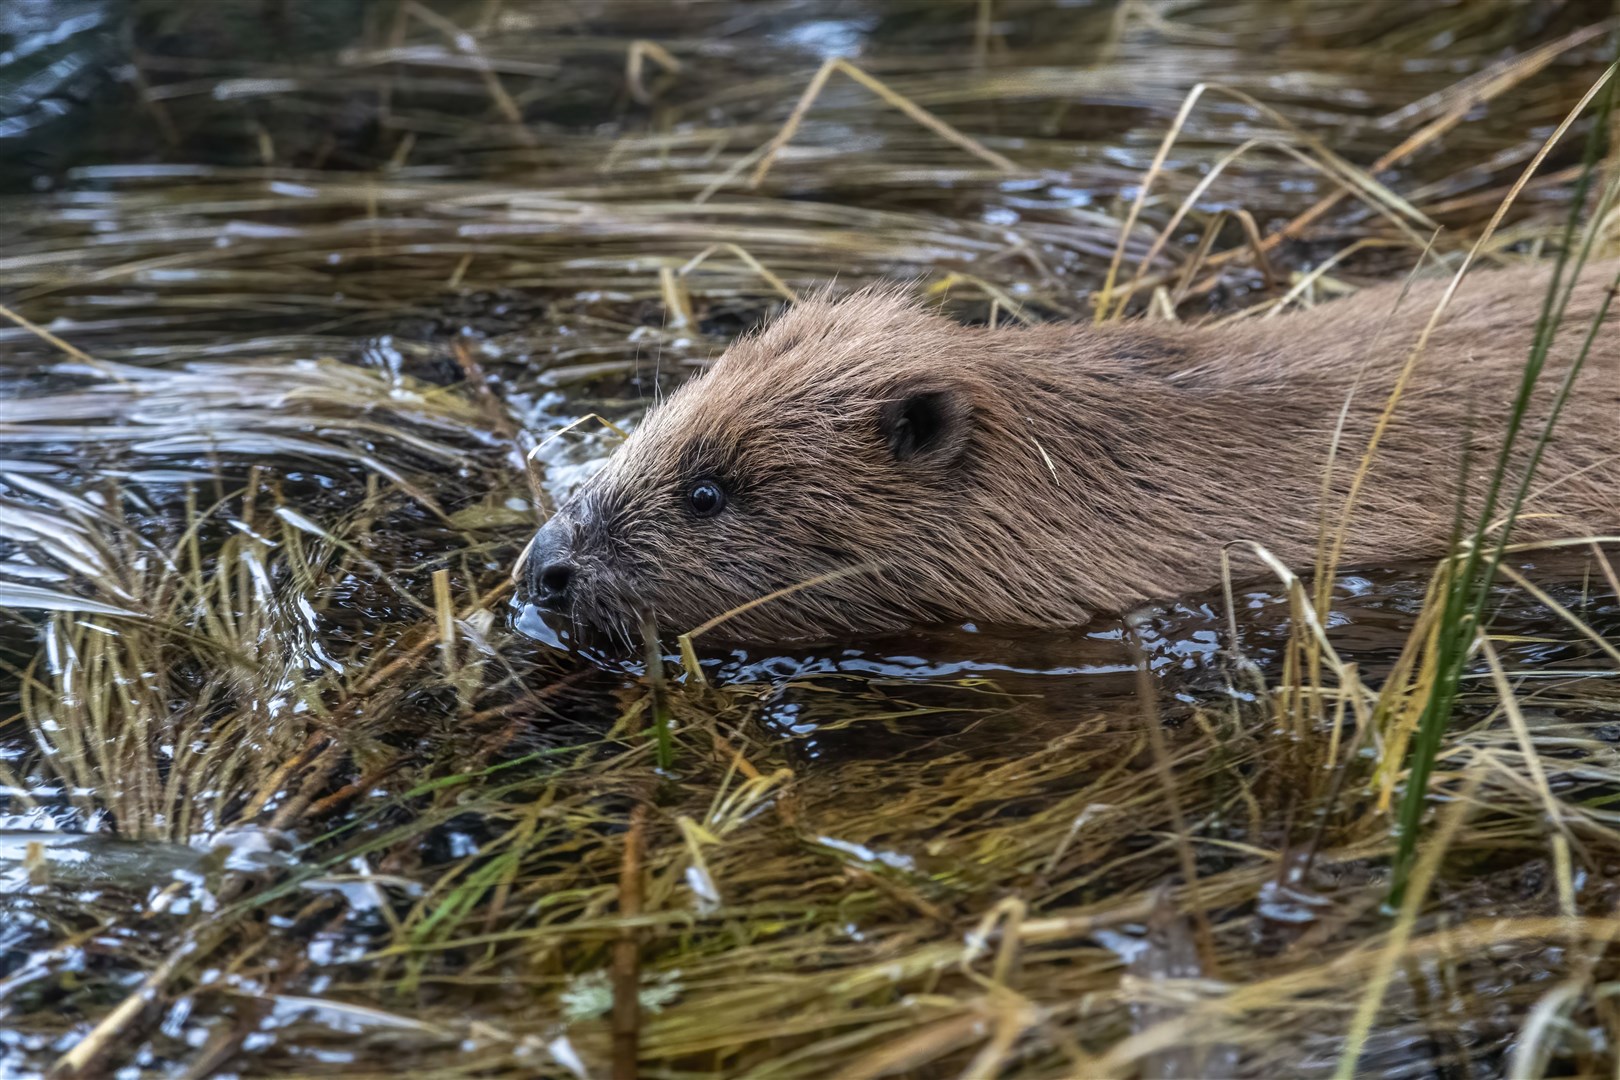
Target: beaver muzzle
{"points": [[569, 593]]}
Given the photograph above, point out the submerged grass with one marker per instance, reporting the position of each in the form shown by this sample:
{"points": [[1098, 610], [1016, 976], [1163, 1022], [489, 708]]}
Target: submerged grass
{"points": [[284, 794]]}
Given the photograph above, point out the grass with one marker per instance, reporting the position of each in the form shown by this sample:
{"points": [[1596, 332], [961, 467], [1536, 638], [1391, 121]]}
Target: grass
{"points": [[281, 412], [1467, 583]]}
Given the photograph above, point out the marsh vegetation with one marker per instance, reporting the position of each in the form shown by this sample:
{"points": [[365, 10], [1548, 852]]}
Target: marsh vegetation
{"points": [[303, 305]]}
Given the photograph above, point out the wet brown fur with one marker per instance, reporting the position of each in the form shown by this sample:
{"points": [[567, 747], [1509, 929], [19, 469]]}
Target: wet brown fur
{"points": [[1080, 470]]}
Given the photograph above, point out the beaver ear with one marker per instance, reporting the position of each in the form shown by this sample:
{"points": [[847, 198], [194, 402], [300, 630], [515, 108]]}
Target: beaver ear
{"points": [[925, 425]]}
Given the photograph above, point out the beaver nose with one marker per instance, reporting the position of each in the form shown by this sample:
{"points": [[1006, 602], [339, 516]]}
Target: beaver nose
{"points": [[549, 572]]}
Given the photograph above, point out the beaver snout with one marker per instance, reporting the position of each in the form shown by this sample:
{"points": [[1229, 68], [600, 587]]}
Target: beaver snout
{"points": [[548, 574], [572, 589]]}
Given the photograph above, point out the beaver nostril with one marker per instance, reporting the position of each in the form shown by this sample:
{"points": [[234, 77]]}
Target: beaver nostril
{"points": [[554, 580]]}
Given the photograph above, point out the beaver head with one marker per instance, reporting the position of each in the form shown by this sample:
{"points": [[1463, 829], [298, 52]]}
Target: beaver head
{"points": [[843, 446]]}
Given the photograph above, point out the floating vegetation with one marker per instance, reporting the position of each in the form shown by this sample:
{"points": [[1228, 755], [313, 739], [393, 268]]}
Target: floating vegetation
{"points": [[306, 319]]}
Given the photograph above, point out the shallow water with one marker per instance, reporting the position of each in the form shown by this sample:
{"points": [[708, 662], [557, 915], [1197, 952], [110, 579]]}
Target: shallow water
{"points": [[279, 767]]}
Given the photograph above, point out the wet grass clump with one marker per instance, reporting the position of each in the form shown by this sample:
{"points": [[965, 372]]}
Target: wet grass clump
{"points": [[284, 792]]}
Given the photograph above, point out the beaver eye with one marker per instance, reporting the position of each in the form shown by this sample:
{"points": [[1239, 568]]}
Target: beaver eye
{"points": [[706, 498]]}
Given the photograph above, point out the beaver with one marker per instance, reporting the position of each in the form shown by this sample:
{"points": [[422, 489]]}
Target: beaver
{"points": [[915, 470]]}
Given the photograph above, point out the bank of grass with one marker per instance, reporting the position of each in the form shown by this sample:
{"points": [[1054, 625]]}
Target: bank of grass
{"points": [[340, 820]]}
